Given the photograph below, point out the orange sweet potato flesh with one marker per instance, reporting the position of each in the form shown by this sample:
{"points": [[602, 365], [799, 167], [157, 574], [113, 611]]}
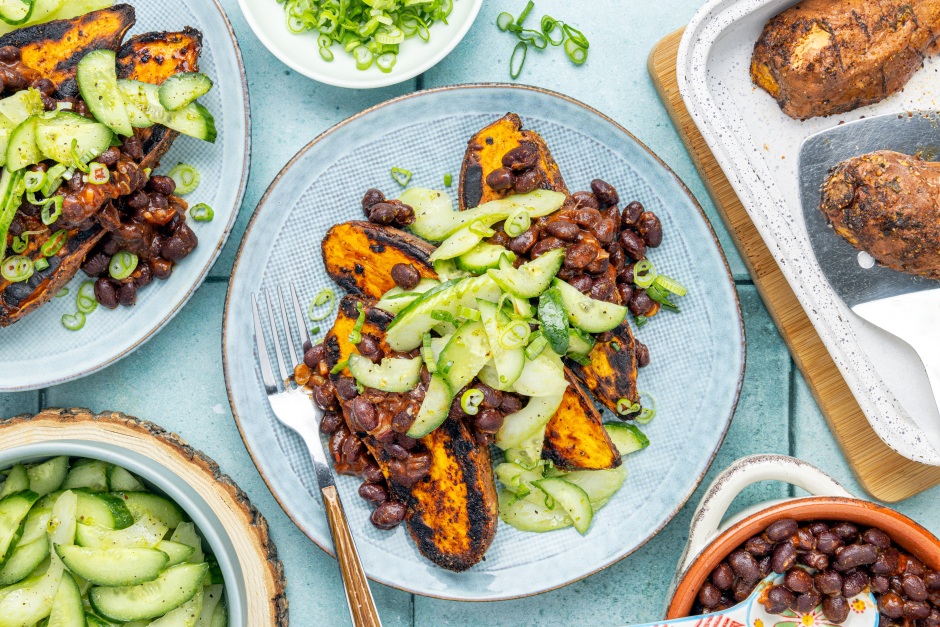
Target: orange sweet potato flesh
{"points": [[452, 513], [154, 57], [359, 256], [485, 153], [611, 374], [575, 438]]}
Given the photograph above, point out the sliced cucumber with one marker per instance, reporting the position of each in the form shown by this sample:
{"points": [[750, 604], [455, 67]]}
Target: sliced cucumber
{"points": [[74, 8], [528, 452], [447, 269], [487, 374], [48, 476], [390, 375], [21, 105], [30, 600], [97, 81], [67, 608], [627, 438], [193, 119], [144, 533], [542, 376], [36, 524], [599, 485], [113, 567], [13, 511], [16, 13], [517, 479], [119, 480], [579, 342], [172, 588], [396, 299], [64, 518], [528, 421], [24, 560], [21, 149], [54, 137], [588, 314], [186, 534], [434, 408], [220, 615], [180, 89], [215, 571], [17, 481], [553, 320], [462, 241], [573, 499], [89, 474], [211, 597], [164, 510], [99, 508], [483, 257], [137, 117], [508, 362], [525, 515], [406, 330], [531, 278], [177, 551], [465, 354], [185, 615], [4, 143], [434, 212]]}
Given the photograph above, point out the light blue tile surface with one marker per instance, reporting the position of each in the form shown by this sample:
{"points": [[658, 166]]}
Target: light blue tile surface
{"points": [[176, 379]]}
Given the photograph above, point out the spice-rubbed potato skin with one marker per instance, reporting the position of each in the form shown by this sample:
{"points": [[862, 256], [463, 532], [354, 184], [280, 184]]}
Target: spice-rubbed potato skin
{"points": [[888, 204], [452, 513], [485, 153], [612, 372], [823, 57], [575, 438], [359, 256]]}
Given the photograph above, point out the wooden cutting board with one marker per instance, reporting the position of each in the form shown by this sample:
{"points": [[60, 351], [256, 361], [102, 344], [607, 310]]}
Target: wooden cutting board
{"points": [[882, 473]]}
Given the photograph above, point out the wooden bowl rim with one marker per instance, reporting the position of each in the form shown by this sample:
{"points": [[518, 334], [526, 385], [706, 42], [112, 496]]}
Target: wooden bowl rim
{"points": [[229, 502], [905, 532]]}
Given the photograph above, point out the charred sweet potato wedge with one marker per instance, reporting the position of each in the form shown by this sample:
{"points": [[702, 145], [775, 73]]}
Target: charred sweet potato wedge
{"points": [[360, 255], [575, 438], [485, 153], [54, 49], [452, 512], [154, 57], [611, 374]]}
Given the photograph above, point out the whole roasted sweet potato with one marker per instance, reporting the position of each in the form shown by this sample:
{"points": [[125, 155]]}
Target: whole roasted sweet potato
{"points": [[823, 57], [888, 204]]}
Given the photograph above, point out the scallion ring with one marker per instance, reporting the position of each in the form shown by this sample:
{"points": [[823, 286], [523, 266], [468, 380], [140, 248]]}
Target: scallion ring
{"points": [[326, 53], [63, 292], [54, 244], [536, 346], [648, 413], [185, 176], [447, 180], [85, 300], [122, 265], [355, 336], [478, 228], [664, 282], [385, 62], [401, 176], [576, 53], [515, 335], [40, 264], [533, 37], [626, 407], [444, 316], [21, 242], [323, 296], [469, 314], [517, 60], [338, 368], [446, 367], [98, 173], [16, 268], [427, 353], [640, 321], [51, 210], [74, 322], [576, 36], [34, 181], [202, 213], [504, 20], [525, 12], [643, 273], [581, 359], [77, 160], [470, 401], [518, 222], [548, 26], [363, 57]]}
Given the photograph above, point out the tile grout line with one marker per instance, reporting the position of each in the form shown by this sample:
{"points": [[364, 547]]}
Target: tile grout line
{"points": [[791, 419], [419, 82], [413, 619], [41, 400]]}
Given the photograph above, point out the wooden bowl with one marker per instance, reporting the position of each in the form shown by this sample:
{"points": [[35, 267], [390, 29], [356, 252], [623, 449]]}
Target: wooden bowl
{"points": [[236, 532], [711, 539]]}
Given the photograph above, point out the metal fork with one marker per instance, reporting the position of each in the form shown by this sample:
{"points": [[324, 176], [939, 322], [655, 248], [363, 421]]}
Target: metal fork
{"points": [[296, 410]]}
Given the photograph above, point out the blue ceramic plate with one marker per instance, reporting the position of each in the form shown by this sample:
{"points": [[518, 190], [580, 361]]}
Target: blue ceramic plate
{"points": [[697, 356], [38, 351]]}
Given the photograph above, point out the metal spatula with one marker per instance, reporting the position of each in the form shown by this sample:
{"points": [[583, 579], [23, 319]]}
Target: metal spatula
{"points": [[904, 305]]}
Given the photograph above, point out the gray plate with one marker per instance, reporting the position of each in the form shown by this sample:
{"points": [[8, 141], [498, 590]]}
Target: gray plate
{"points": [[697, 356]]}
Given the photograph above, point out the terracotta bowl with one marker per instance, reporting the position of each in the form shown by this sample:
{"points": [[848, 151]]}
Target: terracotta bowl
{"points": [[711, 540]]}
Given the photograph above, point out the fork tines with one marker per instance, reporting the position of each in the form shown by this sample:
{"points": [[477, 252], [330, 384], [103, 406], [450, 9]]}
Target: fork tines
{"points": [[267, 374]]}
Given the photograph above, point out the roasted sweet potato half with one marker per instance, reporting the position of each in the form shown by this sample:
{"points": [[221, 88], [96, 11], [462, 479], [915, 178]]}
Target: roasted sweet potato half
{"points": [[452, 512], [575, 438], [485, 154], [611, 375], [823, 57], [360, 255], [154, 57], [54, 49]]}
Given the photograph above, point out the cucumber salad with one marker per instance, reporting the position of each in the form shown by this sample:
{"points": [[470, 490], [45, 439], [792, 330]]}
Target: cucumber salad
{"points": [[87, 544]]}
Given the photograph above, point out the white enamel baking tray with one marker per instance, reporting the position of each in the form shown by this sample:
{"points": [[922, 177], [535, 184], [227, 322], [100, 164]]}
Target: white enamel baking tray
{"points": [[757, 146]]}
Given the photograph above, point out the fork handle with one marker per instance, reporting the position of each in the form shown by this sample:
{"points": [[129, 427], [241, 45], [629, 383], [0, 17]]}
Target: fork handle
{"points": [[361, 605]]}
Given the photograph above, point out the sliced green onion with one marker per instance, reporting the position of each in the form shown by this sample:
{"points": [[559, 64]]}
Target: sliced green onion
{"points": [[504, 20], [20, 243], [447, 180], [478, 228], [576, 36], [640, 320], [63, 292], [548, 26], [385, 62], [326, 53], [51, 208], [469, 314], [54, 177], [77, 160], [74, 322], [54, 244], [626, 407], [614, 345], [517, 60], [395, 36], [34, 181], [40, 264], [533, 37], [536, 346], [324, 295], [98, 173], [446, 367], [202, 213], [85, 300], [647, 414], [470, 401], [576, 53], [515, 335], [427, 353], [661, 296], [643, 273], [363, 57], [186, 178], [338, 368], [664, 282], [122, 265], [355, 336], [581, 359], [401, 176], [525, 12], [16, 268], [518, 222], [445, 316], [323, 41]]}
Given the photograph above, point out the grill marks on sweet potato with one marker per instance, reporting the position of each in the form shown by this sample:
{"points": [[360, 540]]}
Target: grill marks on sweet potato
{"points": [[611, 374], [154, 57], [485, 153], [359, 256], [575, 438], [822, 57]]}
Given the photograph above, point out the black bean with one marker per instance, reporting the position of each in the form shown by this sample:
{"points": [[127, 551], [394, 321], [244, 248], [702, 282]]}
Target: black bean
{"points": [[805, 541], [369, 348], [522, 157], [75, 183], [817, 528], [371, 473], [374, 493], [106, 292], [617, 259], [127, 295], [132, 146], [798, 580], [877, 537], [932, 580], [845, 530], [632, 245], [352, 449], [915, 610], [605, 230], [162, 184], [527, 181], [815, 559], [500, 179], [97, 264], [853, 584], [933, 620], [891, 605], [827, 542], [586, 200], [650, 228], [545, 245], [626, 293], [382, 213], [143, 276], [758, 545], [856, 555], [562, 229], [642, 354], [828, 582], [9, 54], [510, 405], [491, 398], [325, 396], [362, 414], [583, 283], [605, 192], [836, 609], [723, 576], [764, 563], [346, 388], [744, 565], [371, 197], [779, 600], [388, 515], [741, 589], [580, 255], [315, 355], [396, 450], [806, 602], [405, 276], [406, 442], [914, 567], [781, 530], [914, 587], [641, 303], [631, 213], [709, 596], [488, 421], [523, 243], [879, 584], [784, 557], [887, 562]]}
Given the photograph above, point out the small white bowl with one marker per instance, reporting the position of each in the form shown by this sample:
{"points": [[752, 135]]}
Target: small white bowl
{"points": [[300, 52]]}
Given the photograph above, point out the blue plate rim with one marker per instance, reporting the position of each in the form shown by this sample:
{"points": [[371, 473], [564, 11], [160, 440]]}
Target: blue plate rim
{"points": [[470, 86]]}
